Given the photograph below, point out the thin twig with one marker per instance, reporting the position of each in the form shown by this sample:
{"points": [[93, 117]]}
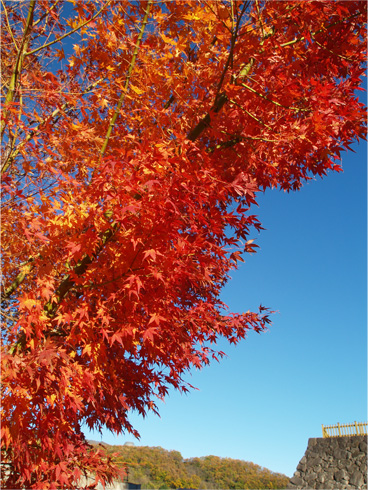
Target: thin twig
{"points": [[251, 115], [18, 64], [67, 283], [70, 32], [46, 13], [297, 109], [57, 112], [10, 31], [127, 81], [302, 38]]}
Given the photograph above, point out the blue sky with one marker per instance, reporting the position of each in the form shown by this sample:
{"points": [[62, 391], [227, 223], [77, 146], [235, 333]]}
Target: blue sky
{"points": [[272, 393]]}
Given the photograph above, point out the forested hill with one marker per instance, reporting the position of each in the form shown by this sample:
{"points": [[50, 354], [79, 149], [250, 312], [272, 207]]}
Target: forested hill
{"points": [[155, 467]]}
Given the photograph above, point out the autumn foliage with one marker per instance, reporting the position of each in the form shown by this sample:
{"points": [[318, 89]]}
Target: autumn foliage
{"points": [[136, 136], [155, 467]]}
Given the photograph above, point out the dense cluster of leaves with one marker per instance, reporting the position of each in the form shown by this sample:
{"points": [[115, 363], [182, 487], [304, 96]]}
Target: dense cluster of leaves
{"points": [[154, 467], [136, 136]]}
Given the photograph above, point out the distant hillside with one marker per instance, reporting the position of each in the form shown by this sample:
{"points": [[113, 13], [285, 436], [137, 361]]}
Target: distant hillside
{"points": [[155, 467]]}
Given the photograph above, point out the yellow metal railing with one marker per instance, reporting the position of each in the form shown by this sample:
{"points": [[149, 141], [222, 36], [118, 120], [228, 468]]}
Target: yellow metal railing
{"points": [[355, 429]]}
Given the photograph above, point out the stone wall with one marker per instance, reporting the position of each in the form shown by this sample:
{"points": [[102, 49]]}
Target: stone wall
{"points": [[338, 462]]}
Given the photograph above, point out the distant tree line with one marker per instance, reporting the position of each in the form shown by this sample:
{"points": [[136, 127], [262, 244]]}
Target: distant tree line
{"points": [[155, 467]]}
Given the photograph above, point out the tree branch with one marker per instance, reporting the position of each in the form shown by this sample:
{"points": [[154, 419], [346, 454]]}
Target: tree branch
{"points": [[125, 89], [67, 283], [18, 64], [11, 157], [70, 32], [46, 13], [206, 121], [27, 267], [324, 28], [296, 109], [9, 28]]}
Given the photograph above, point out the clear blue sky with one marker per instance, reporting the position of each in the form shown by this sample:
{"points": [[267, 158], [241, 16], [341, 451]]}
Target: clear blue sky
{"points": [[274, 390]]}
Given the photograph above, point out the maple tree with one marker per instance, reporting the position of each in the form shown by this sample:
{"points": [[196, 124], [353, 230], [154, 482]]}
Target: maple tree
{"points": [[136, 136]]}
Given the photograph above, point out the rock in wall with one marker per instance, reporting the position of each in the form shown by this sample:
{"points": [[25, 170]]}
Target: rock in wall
{"points": [[336, 462]]}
